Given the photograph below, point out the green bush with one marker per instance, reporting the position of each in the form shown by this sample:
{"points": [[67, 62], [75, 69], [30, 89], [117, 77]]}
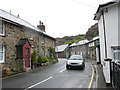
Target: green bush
{"points": [[34, 57], [42, 59], [39, 59], [52, 53]]}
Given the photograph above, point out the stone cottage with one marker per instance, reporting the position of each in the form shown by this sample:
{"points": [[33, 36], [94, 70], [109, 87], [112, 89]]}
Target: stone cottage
{"points": [[62, 51], [92, 45], [89, 49], [15, 34], [79, 48]]}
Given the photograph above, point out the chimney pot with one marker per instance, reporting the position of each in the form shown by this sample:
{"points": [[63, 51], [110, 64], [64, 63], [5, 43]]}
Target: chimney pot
{"points": [[40, 22], [41, 26]]}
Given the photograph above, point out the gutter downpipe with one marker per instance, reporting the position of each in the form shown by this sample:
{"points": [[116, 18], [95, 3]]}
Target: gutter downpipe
{"points": [[106, 58]]}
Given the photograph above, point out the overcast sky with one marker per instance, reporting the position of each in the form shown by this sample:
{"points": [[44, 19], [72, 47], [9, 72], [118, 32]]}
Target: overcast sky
{"points": [[61, 17]]}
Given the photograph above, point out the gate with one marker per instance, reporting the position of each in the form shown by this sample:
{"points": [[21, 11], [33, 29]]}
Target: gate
{"points": [[115, 68]]}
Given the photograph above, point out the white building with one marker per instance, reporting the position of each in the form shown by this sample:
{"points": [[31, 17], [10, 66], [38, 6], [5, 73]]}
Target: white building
{"points": [[108, 16], [79, 48]]}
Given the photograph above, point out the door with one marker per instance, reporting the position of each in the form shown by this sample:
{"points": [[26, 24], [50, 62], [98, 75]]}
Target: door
{"points": [[27, 57]]}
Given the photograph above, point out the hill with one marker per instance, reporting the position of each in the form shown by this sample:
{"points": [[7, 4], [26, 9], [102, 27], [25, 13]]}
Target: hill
{"points": [[92, 32]]}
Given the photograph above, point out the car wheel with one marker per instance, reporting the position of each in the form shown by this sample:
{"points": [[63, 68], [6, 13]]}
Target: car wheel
{"points": [[68, 68], [83, 67]]}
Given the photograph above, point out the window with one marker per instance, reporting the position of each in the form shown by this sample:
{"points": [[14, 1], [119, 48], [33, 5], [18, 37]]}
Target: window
{"points": [[1, 54], [27, 51], [1, 28], [116, 53], [93, 44], [19, 52], [31, 37]]}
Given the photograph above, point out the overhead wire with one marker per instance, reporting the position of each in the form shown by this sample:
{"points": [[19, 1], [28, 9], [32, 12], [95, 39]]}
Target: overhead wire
{"points": [[85, 4]]}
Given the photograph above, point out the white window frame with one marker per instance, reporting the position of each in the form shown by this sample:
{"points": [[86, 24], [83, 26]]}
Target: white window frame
{"points": [[113, 51], [93, 44], [3, 28], [31, 37], [2, 61]]}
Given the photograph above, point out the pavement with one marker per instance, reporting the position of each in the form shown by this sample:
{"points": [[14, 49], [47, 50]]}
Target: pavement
{"points": [[99, 77]]}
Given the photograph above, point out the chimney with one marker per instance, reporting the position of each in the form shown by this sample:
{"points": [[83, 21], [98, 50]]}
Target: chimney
{"points": [[18, 16], [10, 11], [41, 26]]}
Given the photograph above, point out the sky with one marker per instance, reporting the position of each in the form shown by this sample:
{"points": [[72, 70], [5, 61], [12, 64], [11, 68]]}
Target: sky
{"points": [[61, 17]]}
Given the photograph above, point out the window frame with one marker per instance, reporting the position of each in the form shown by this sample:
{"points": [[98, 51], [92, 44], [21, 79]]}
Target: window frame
{"points": [[31, 37], [3, 53], [3, 28], [19, 52], [114, 50]]}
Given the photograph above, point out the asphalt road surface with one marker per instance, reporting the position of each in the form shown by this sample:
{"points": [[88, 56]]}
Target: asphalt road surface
{"points": [[51, 76]]}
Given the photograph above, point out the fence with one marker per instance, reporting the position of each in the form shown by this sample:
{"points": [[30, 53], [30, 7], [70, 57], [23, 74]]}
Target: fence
{"points": [[115, 69]]}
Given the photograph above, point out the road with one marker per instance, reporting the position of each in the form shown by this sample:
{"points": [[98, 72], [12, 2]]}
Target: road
{"points": [[51, 76]]}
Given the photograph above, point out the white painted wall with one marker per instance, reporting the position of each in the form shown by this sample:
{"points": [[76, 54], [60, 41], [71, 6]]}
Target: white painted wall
{"points": [[119, 25], [97, 54], [101, 35], [111, 19], [111, 26]]}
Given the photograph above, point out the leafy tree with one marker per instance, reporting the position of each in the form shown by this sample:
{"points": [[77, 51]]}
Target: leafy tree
{"points": [[69, 42], [94, 35], [80, 38], [68, 38]]}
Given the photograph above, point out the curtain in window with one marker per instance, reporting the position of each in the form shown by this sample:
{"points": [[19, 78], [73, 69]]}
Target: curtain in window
{"points": [[1, 27], [1, 53], [116, 53], [19, 52]]}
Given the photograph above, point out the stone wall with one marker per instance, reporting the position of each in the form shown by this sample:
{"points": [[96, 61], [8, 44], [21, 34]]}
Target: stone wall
{"points": [[80, 50], [13, 33], [48, 43], [45, 43]]}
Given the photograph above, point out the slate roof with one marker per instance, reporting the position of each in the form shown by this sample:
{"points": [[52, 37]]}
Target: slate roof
{"points": [[21, 42], [18, 20], [79, 43], [84, 41], [94, 38], [61, 48]]}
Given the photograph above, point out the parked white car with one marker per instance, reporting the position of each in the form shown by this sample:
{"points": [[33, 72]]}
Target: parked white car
{"points": [[75, 61]]}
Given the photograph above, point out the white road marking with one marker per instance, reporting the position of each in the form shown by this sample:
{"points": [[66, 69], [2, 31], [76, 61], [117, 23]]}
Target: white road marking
{"points": [[62, 70], [39, 83]]}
